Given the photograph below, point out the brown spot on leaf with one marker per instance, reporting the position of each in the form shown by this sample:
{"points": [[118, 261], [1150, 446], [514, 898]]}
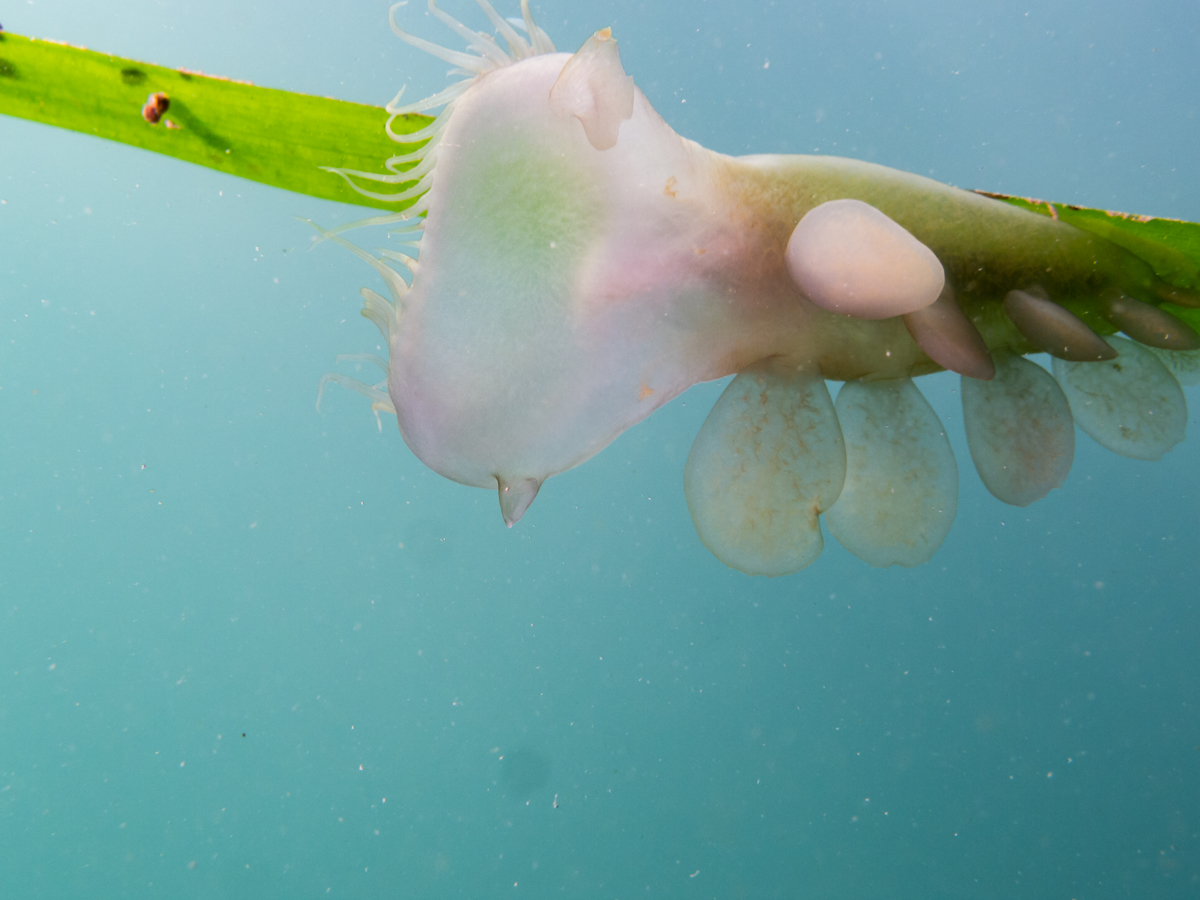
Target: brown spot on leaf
{"points": [[154, 107]]}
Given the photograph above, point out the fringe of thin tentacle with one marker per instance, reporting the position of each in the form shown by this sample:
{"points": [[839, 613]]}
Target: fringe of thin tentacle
{"points": [[413, 171]]}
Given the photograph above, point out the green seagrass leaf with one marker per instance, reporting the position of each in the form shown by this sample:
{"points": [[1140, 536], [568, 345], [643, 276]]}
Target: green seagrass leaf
{"points": [[1170, 246], [271, 136]]}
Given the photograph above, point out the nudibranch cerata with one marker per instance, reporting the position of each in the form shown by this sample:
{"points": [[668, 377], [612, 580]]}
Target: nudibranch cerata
{"points": [[578, 264]]}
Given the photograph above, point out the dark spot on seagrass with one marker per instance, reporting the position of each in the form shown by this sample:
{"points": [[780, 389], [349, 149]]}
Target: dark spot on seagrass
{"points": [[133, 76], [7, 69]]}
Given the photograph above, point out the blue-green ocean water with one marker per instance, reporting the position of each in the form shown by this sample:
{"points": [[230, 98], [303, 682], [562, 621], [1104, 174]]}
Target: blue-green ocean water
{"points": [[249, 649]]}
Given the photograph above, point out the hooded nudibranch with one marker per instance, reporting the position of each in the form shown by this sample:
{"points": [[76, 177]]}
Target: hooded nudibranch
{"points": [[579, 264]]}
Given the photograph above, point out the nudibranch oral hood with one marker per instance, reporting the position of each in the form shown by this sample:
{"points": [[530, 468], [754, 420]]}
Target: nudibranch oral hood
{"points": [[574, 264]]}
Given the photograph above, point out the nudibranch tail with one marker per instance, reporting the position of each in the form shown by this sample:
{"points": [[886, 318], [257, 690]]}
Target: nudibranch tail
{"points": [[516, 497]]}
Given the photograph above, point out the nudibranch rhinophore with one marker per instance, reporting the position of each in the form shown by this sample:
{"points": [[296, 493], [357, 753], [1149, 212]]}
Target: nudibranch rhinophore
{"points": [[578, 264]]}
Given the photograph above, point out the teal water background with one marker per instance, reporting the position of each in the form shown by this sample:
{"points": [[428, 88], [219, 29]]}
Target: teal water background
{"points": [[252, 649]]}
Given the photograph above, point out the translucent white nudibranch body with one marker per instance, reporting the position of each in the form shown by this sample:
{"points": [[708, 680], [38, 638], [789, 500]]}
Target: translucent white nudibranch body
{"points": [[578, 269], [581, 264]]}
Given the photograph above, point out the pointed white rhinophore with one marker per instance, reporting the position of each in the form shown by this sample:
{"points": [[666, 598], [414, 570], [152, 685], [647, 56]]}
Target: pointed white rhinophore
{"points": [[594, 88], [901, 489], [768, 460], [1019, 429], [848, 257], [515, 498], [1132, 405]]}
